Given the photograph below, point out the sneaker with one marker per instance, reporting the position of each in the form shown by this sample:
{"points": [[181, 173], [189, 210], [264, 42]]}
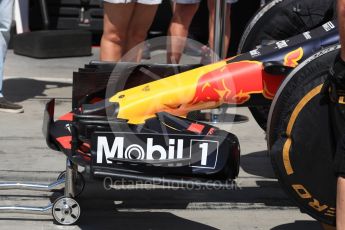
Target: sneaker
{"points": [[7, 106]]}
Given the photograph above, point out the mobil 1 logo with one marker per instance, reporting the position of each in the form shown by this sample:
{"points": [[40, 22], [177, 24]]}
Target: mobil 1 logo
{"points": [[192, 151]]}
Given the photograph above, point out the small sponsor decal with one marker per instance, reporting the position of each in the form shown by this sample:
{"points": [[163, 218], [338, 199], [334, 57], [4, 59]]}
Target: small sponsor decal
{"points": [[328, 26], [255, 53], [146, 88], [282, 44], [68, 127], [307, 35]]}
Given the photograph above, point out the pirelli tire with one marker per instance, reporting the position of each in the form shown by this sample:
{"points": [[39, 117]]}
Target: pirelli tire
{"points": [[278, 20], [300, 138]]}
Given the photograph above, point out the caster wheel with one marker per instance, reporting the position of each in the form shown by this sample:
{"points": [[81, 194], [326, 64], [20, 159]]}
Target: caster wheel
{"points": [[80, 184], [66, 211]]}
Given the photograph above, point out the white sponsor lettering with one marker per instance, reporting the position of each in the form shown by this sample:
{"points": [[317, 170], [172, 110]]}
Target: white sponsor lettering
{"points": [[255, 53], [155, 148], [307, 35], [328, 26], [137, 152], [103, 147], [282, 44]]}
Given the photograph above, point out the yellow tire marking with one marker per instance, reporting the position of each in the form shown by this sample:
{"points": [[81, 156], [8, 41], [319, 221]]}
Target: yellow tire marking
{"points": [[286, 157], [286, 150]]}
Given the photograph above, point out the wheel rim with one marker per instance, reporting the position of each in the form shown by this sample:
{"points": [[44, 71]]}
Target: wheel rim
{"points": [[66, 211]]}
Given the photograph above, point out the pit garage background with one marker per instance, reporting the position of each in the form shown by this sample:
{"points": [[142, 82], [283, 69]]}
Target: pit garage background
{"points": [[88, 15]]}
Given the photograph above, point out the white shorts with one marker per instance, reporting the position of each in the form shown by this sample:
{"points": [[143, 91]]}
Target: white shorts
{"points": [[146, 2], [198, 1]]}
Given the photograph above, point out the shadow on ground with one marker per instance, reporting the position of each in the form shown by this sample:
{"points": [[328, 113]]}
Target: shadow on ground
{"points": [[112, 219], [21, 89], [267, 193], [258, 164], [300, 225], [127, 209]]}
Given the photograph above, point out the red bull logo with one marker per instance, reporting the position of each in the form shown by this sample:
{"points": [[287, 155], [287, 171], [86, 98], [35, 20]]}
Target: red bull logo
{"points": [[213, 86], [292, 58], [232, 84]]}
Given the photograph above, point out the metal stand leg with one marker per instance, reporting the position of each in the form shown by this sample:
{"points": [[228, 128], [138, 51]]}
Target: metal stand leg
{"points": [[57, 185], [27, 210], [66, 210], [218, 115], [71, 177], [219, 30]]}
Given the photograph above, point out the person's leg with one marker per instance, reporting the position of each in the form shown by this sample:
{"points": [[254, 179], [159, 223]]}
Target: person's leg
{"points": [[24, 12], [178, 30], [139, 25], [6, 9], [115, 25], [211, 8], [340, 203], [21, 15]]}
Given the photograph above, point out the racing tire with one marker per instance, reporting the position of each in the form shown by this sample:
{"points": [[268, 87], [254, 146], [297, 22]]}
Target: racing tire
{"points": [[300, 138], [278, 20]]}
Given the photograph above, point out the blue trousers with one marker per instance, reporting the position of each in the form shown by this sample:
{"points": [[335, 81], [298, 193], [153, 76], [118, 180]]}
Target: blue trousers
{"points": [[6, 10]]}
